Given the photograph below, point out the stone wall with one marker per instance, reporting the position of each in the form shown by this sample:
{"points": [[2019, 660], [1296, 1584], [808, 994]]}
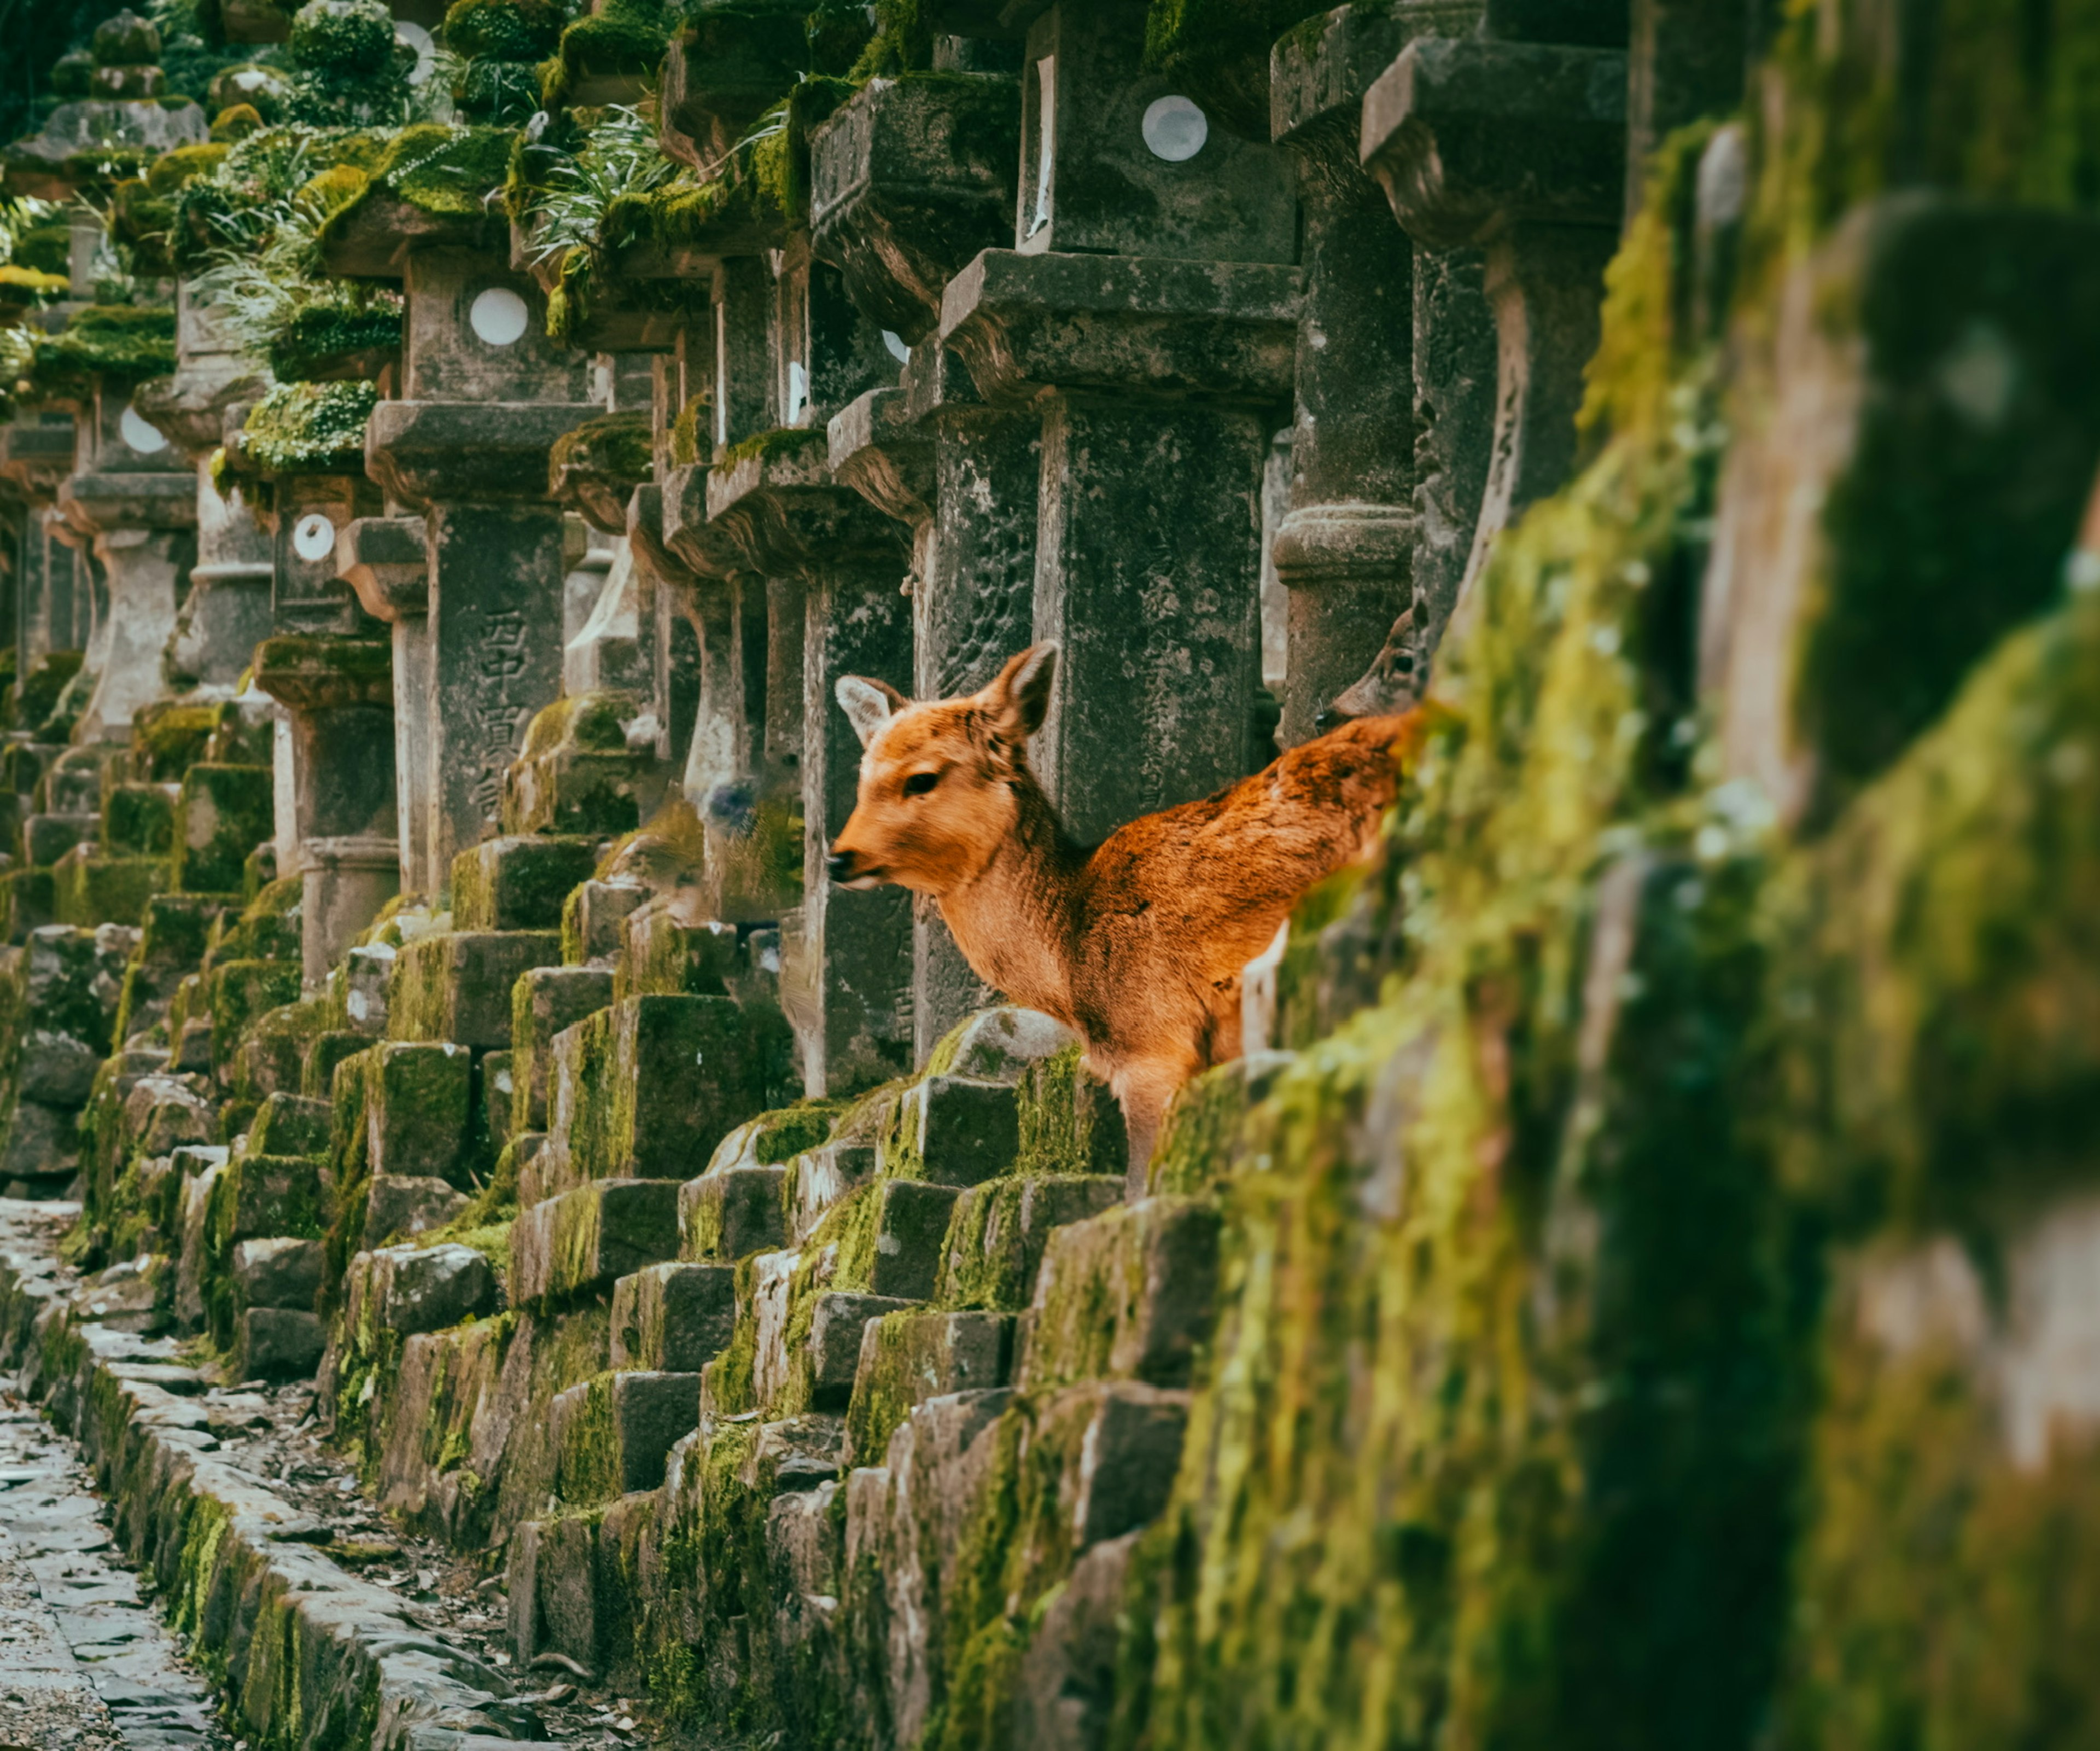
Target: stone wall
{"points": [[1632, 1288]]}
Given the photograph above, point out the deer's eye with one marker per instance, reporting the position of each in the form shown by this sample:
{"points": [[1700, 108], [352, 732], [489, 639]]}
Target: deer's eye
{"points": [[919, 783]]}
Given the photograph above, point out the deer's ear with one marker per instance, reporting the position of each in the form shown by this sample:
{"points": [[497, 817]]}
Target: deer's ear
{"points": [[1021, 696], [868, 705]]}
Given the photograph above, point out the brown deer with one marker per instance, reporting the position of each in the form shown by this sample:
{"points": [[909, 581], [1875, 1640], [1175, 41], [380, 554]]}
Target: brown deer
{"points": [[1137, 943]]}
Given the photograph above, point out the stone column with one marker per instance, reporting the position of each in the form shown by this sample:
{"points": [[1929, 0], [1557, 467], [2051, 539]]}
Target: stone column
{"points": [[1345, 548], [338, 695], [226, 611], [1148, 314], [486, 396], [131, 496], [1516, 147], [36, 456], [846, 977], [385, 561]]}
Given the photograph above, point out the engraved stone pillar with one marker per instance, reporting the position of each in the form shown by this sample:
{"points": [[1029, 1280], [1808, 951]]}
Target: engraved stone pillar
{"points": [[385, 561], [1148, 314], [1517, 148], [133, 497], [337, 693]]}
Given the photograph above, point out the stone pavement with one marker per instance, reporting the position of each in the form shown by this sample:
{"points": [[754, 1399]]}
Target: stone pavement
{"points": [[85, 1663]]}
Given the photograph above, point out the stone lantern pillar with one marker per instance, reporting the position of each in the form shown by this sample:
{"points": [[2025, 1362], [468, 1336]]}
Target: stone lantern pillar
{"points": [[52, 606], [133, 497], [910, 181], [226, 611], [1148, 313], [385, 560], [485, 397], [338, 695], [1347, 547], [1516, 147]]}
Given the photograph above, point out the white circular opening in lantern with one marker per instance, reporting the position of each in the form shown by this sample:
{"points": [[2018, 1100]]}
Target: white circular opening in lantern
{"points": [[145, 438], [417, 40], [498, 317], [313, 538], [1175, 129]]}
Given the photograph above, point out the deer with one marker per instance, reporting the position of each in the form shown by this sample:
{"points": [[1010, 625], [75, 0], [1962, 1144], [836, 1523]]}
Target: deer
{"points": [[1137, 944]]}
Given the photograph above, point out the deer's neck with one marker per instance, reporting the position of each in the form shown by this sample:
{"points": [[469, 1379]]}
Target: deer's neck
{"points": [[1014, 921]]}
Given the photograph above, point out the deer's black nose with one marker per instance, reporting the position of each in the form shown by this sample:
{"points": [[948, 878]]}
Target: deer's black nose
{"points": [[839, 866]]}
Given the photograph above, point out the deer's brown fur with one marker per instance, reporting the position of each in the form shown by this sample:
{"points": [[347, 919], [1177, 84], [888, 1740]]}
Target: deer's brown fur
{"points": [[1137, 944]]}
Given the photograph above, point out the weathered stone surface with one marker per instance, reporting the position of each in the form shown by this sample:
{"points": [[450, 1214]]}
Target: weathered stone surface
{"points": [[551, 1581], [588, 1237], [57, 1069], [834, 1341], [1126, 1294], [911, 1227], [677, 1317], [417, 1112], [959, 1130], [408, 1289], [287, 1124], [518, 884], [908, 1358], [280, 1343], [398, 1204], [457, 985], [279, 1273], [610, 1433], [731, 1213]]}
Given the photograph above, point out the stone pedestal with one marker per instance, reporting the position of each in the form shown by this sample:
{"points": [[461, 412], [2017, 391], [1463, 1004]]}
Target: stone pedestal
{"points": [[495, 544], [385, 561], [52, 607], [1156, 381], [846, 976], [1345, 547], [1518, 148], [337, 694], [141, 527]]}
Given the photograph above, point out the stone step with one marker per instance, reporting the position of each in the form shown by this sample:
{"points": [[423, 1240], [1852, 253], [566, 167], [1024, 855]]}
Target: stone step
{"points": [[675, 1316], [907, 1357], [456, 984], [280, 1343], [221, 813], [90, 887], [47, 837], [408, 1289], [1000, 1230], [418, 1110], [281, 1270], [546, 1000], [518, 882], [397, 1205], [611, 1433], [590, 1236], [290, 1125], [838, 1326], [1127, 1295], [730, 1214]]}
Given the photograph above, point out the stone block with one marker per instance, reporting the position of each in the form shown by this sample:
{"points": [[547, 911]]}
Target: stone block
{"points": [[593, 919], [422, 1289], [997, 1237], [29, 899], [959, 1130], [279, 1271], [497, 1086], [396, 1205], [1127, 1458], [457, 985], [518, 883], [72, 783], [290, 1125], [368, 975], [648, 1088], [281, 1343], [907, 1357], [418, 1112], [1127, 1295], [911, 1230], [192, 1056], [588, 1237], [819, 1177], [89, 888], [43, 1143], [552, 1580], [223, 813], [328, 1049], [660, 955], [45, 838], [794, 1453], [835, 1327], [1001, 1045], [676, 1316], [731, 1214], [612, 1434], [57, 1069], [546, 1000], [238, 993], [261, 1196], [138, 821]]}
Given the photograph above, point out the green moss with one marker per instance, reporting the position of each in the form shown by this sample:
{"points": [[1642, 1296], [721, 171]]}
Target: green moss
{"points": [[616, 447], [320, 338], [781, 443], [624, 36], [507, 30], [123, 342], [446, 169], [311, 427], [172, 170]]}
